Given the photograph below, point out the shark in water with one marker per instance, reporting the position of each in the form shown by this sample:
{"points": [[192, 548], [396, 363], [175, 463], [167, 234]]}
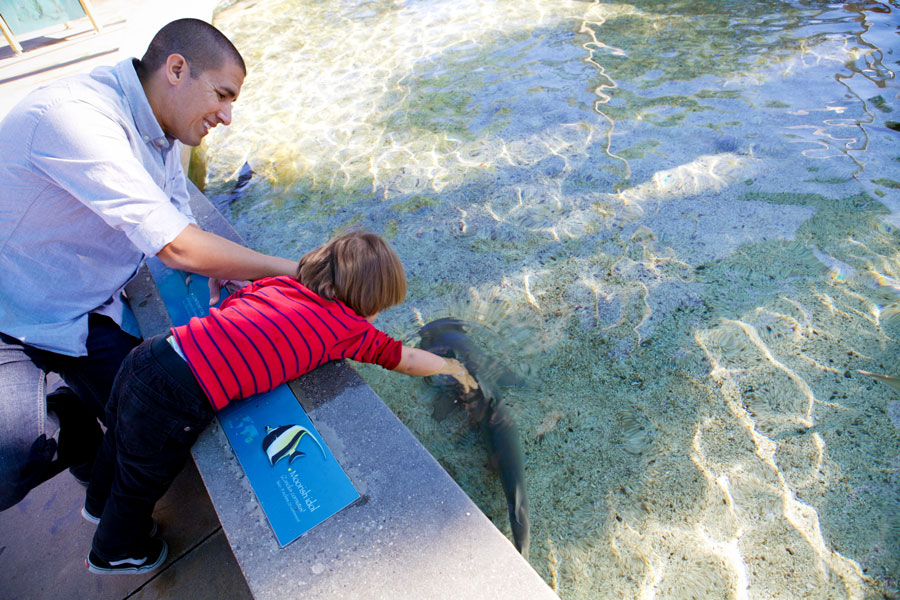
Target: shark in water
{"points": [[447, 338]]}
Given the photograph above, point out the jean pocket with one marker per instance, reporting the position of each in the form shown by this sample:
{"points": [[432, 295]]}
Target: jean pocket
{"points": [[187, 431]]}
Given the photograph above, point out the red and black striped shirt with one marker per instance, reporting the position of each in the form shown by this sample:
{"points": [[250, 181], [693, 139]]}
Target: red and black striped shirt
{"points": [[272, 331]]}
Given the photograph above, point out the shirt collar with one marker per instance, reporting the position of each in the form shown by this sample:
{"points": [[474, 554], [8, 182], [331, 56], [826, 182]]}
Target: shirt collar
{"points": [[147, 125]]}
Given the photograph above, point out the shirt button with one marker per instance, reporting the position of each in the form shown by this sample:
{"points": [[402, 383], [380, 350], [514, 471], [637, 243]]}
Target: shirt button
{"points": [[188, 428], [146, 138]]}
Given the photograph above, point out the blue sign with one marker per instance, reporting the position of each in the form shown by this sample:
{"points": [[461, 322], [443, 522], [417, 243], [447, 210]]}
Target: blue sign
{"points": [[297, 480]]}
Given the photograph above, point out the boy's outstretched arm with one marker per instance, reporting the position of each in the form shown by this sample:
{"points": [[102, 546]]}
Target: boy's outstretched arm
{"points": [[414, 361]]}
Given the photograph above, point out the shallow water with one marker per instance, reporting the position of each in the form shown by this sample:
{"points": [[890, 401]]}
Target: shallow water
{"points": [[676, 218]]}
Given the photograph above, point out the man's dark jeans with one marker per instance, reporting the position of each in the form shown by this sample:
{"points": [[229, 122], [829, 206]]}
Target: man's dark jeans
{"points": [[26, 453], [154, 415]]}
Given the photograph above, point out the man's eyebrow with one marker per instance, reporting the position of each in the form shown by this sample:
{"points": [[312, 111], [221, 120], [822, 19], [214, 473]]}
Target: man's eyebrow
{"points": [[225, 90]]}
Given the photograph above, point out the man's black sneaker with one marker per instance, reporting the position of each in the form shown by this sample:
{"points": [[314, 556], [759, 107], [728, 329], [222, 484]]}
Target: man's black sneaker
{"points": [[82, 473], [91, 518], [155, 555]]}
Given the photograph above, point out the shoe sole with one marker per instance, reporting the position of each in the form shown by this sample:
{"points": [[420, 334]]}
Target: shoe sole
{"points": [[96, 521], [136, 570], [89, 517]]}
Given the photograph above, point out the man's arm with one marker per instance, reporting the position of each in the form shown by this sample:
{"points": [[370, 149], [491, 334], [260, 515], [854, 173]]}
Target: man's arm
{"points": [[205, 253]]}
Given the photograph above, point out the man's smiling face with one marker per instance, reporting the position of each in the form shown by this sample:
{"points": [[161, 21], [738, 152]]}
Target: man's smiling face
{"points": [[200, 103]]}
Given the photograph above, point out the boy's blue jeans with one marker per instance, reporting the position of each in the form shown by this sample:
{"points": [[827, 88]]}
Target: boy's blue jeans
{"points": [[25, 450], [155, 412]]}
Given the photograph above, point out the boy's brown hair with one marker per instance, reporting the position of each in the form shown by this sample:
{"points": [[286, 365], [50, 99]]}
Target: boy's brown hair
{"points": [[359, 269]]}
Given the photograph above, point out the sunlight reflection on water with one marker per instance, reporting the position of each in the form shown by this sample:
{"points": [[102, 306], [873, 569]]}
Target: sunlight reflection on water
{"points": [[677, 219]]}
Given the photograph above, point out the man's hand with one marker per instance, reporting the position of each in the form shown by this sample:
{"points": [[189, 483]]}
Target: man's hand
{"points": [[216, 285]]}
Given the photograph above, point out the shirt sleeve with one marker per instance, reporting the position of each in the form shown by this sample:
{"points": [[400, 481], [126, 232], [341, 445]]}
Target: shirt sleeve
{"points": [[378, 348], [104, 173]]}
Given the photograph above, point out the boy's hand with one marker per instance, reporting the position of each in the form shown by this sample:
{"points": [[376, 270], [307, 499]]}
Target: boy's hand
{"points": [[457, 371]]}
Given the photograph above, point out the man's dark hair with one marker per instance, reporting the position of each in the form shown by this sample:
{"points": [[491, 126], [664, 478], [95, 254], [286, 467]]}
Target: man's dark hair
{"points": [[202, 45]]}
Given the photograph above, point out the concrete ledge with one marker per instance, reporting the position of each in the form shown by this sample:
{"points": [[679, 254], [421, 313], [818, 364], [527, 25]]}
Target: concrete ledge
{"points": [[414, 533]]}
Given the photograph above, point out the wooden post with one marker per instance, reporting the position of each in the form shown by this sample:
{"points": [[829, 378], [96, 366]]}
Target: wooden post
{"points": [[8, 34], [86, 5]]}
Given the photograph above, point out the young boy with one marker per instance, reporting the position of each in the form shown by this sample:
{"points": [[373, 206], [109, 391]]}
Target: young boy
{"points": [[265, 334]]}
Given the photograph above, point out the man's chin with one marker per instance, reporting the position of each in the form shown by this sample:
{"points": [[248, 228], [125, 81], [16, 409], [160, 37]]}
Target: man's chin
{"points": [[193, 142]]}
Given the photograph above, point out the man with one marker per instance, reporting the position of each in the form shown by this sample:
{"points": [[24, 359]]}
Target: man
{"points": [[92, 186]]}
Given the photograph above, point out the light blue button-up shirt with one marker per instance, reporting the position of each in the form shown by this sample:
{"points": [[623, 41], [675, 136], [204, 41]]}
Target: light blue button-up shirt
{"points": [[89, 187]]}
